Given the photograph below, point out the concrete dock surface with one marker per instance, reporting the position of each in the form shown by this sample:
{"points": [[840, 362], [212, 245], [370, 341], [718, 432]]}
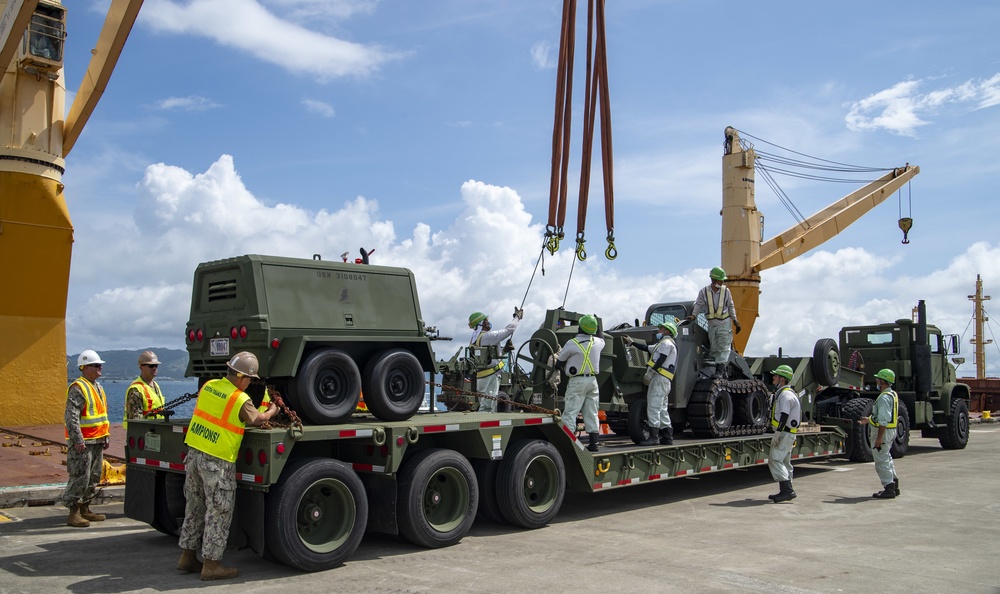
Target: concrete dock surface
{"points": [[716, 533]]}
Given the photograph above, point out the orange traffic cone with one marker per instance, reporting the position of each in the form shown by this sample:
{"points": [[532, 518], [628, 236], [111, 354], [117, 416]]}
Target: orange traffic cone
{"points": [[605, 430]]}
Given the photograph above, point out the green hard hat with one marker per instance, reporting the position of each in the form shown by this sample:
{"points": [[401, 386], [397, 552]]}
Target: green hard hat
{"points": [[476, 318], [886, 374], [670, 327], [784, 371], [717, 274], [588, 324]]}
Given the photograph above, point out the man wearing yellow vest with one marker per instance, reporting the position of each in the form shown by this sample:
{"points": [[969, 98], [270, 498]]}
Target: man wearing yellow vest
{"points": [[87, 436], [662, 360], [214, 434], [786, 414], [716, 302], [488, 380], [882, 432], [144, 395], [580, 359]]}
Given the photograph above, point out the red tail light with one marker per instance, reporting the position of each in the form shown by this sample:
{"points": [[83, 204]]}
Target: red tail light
{"points": [[191, 335], [243, 331], [248, 456], [142, 443], [262, 457], [275, 343], [200, 335], [131, 443], [232, 333], [280, 448]]}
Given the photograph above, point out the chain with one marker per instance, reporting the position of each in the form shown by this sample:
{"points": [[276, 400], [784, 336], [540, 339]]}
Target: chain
{"points": [[525, 406], [170, 405]]}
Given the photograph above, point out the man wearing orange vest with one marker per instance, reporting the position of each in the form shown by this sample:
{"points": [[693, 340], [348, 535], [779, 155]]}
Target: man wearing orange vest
{"points": [[87, 436], [144, 394], [222, 411]]}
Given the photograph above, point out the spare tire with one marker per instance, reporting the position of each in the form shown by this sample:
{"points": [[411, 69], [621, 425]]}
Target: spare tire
{"points": [[327, 387], [394, 385], [826, 362], [859, 447]]}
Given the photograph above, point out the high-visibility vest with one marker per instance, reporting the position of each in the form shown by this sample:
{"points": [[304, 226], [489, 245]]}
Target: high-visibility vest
{"points": [[94, 418], [215, 426], [661, 370], [774, 412], [151, 395], [587, 368], [895, 410], [490, 370], [264, 402], [722, 312]]}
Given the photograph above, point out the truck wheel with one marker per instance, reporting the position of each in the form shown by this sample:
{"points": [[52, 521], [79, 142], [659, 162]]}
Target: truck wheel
{"points": [[327, 388], [531, 483], [859, 447], [316, 514], [710, 409], [438, 497], [486, 480], [169, 503], [638, 421], [902, 442], [826, 362], [956, 435], [752, 408], [394, 385]]}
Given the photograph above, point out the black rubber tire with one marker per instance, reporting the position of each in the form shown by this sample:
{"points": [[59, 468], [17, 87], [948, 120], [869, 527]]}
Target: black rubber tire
{"points": [[438, 498], [327, 387], [486, 479], [955, 436], [503, 403], [638, 421], [169, 503], [859, 448], [531, 483], [316, 514], [394, 385], [710, 414], [826, 362], [901, 444], [752, 408]]}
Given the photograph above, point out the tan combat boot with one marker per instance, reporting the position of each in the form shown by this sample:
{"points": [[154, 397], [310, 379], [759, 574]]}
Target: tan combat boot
{"points": [[189, 562], [213, 571], [89, 515], [75, 519]]}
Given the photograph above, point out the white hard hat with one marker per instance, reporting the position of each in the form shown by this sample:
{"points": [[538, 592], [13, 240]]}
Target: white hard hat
{"points": [[88, 357]]}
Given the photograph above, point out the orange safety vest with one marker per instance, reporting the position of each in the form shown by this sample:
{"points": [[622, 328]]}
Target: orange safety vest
{"points": [[216, 427], [150, 393], [94, 417]]}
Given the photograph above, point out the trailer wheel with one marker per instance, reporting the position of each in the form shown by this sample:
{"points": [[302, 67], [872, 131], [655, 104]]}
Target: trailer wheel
{"points": [[902, 441], [327, 387], [826, 362], [752, 408], [638, 421], [316, 514], [438, 497], [169, 503], [955, 435], [859, 446], [486, 480], [394, 385], [531, 483]]}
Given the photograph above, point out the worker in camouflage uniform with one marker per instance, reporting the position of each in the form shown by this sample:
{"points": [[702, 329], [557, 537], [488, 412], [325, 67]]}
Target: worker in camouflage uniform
{"points": [[144, 394], [483, 335], [87, 436], [786, 415], [214, 435], [882, 432], [716, 302], [580, 359], [660, 373]]}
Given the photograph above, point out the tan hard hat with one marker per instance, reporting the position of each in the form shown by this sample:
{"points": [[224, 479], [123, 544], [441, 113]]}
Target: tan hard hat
{"points": [[148, 358], [244, 362]]}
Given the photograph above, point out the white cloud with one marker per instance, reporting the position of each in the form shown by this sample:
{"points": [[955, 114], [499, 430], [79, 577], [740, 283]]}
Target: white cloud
{"points": [[320, 108], [189, 103], [250, 27], [541, 55]]}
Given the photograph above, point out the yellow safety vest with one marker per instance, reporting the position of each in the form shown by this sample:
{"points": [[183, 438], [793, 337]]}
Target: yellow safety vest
{"points": [[489, 371], [215, 426], [774, 412], [587, 366], [150, 393], [661, 370], [895, 410], [722, 312], [264, 402], [94, 418]]}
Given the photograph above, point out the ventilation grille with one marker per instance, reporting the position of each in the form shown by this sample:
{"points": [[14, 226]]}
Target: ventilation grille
{"points": [[222, 290]]}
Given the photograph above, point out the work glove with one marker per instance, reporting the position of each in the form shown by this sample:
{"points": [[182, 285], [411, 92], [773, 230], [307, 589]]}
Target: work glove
{"points": [[689, 319], [738, 327], [628, 340], [519, 312]]}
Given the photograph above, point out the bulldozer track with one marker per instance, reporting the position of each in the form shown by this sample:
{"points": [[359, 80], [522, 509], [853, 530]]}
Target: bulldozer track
{"points": [[711, 395]]}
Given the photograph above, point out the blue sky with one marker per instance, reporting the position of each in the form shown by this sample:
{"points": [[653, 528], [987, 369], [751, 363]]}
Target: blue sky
{"points": [[423, 130]]}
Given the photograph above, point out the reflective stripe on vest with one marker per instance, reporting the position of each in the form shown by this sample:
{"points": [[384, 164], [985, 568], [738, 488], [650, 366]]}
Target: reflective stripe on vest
{"points": [[94, 417], [215, 426], [661, 370], [150, 393], [587, 368], [490, 371], [895, 410], [774, 411], [716, 314]]}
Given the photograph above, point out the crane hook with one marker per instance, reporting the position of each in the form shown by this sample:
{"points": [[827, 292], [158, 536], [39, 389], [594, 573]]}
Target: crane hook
{"points": [[905, 224]]}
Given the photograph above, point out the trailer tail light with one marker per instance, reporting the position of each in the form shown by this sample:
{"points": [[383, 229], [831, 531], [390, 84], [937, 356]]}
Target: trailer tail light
{"points": [[399, 441], [232, 333], [142, 443], [280, 448], [383, 450], [243, 332], [369, 450], [262, 457], [184, 455], [275, 343], [199, 335], [131, 443], [190, 335], [248, 456]]}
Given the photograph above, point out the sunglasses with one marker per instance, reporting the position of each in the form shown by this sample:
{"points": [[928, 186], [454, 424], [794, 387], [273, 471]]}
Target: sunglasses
{"points": [[96, 365], [153, 366]]}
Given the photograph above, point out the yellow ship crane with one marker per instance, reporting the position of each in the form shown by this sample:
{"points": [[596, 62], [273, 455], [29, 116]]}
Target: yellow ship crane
{"points": [[36, 233], [744, 252]]}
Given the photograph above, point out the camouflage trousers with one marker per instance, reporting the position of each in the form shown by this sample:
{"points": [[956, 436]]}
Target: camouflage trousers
{"points": [[84, 470], [210, 489]]}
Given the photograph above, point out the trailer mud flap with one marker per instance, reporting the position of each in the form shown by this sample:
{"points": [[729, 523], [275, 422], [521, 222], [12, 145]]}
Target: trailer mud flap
{"points": [[247, 528], [140, 494], [381, 492]]}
